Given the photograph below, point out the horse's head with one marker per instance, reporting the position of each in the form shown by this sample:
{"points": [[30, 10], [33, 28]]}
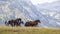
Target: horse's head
{"points": [[19, 19], [38, 21]]}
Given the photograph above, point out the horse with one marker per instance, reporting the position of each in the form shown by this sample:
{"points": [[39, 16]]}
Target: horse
{"points": [[32, 23], [16, 22]]}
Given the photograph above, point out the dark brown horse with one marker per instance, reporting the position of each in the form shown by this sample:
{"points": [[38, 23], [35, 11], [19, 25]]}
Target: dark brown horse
{"points": [[32, 23], [16, 22]]}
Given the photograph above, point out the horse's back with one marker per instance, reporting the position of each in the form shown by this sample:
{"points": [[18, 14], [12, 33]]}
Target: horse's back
{"points": [[31, 23]]}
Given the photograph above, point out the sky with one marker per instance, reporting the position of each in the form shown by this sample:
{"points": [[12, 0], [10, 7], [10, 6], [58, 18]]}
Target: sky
{"points": [[35, 2]]}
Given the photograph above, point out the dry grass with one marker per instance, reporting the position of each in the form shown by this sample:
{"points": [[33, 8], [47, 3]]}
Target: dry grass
{"points": [[28, 30]]}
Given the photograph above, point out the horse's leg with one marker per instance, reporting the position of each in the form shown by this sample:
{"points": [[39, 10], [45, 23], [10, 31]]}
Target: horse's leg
{"points": [[15, 24], [18, 24], [12, 25], [7, 24]]}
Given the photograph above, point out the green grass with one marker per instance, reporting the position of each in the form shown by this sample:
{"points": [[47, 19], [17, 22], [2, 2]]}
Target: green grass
{"points": [[28, 30]]}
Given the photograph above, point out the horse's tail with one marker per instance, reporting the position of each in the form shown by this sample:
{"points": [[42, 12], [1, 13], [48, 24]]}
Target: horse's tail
{"points": [[6, 23], [27, 24]]}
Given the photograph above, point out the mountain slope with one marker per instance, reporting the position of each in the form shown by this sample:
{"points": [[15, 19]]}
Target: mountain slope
{"points": [[51, 11], [24, 9]]}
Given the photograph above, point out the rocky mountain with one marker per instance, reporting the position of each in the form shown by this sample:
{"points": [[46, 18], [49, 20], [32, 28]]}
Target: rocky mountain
{"points": [[51, 11], [12, 9]]}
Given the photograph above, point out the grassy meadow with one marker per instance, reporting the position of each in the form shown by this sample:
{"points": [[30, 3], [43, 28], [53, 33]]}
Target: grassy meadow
{"points": [[28, 30]]}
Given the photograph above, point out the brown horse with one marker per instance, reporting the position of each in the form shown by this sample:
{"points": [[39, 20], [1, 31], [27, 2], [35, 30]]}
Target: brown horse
{"points": [[32, 23], [16, 22]]}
